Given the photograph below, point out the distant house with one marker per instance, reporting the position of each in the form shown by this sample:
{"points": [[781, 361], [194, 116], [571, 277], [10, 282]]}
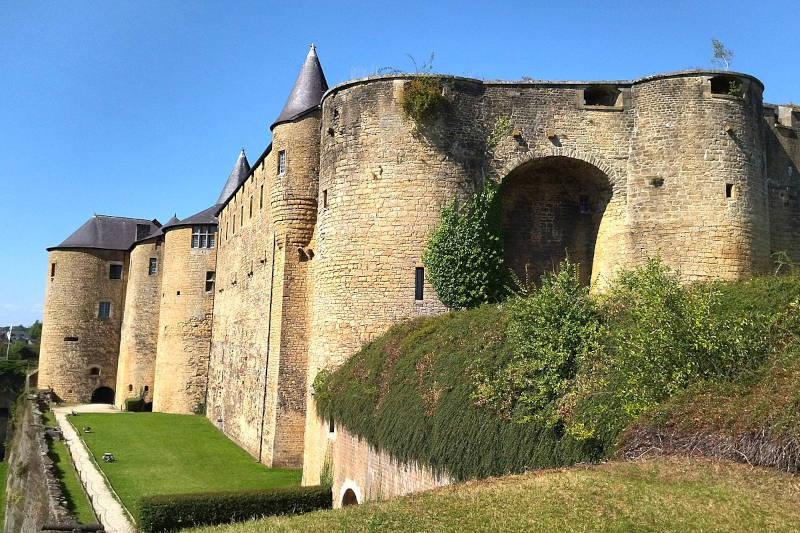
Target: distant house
{"points": [[18, 333]]}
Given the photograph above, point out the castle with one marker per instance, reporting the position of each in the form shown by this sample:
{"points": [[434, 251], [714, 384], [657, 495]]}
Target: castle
{"points": [[316, 247]]}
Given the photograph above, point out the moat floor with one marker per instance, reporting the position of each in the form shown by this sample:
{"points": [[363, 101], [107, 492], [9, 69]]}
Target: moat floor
{"points": [[157, 453], [676, 494]]}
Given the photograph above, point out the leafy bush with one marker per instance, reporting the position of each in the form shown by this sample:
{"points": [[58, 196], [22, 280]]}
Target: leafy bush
{"points": [[552, 331], [134, 404], [422, 96], [464, 257], [659, 337], [177, 511]]}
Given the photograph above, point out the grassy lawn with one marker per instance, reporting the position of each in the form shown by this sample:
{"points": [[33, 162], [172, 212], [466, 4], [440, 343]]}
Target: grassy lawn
{"points": [[160, 453], [77, 502], [674, 494]]}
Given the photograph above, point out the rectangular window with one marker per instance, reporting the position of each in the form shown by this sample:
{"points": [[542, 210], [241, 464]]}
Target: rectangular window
{"points": [[203, 236], [151, 271], [52, 270], [234, 223], [226, 230], [104, 310], [730, 192], [241, 215], [251, 207], [261, 197], [115, 271], [281, 161], [419, 282], [210, 281], [325, 198]]}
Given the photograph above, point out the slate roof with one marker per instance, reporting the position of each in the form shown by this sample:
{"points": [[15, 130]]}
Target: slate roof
{"points": [[307, 91], [107, 233], [241, 169], [206, 216]]}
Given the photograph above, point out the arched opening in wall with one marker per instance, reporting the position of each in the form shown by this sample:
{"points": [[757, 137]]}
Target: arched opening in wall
{"points": [[103, 395], [552, 209], [349, 498]]}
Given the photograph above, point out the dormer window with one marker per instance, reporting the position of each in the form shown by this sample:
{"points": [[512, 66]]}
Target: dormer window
{"points": [[203, 236], [281, 161]]}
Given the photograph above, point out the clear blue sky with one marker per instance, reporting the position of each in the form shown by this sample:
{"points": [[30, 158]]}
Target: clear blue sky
{"points": [[140, 108]]}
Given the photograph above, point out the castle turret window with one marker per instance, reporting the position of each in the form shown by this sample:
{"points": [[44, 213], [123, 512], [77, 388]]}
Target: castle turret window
{"points": [[153, 268], [261, 197], [419, 282], [104, 309], [281, 161], [115, 271], [52, 270], [202, 236], [210, 281]]}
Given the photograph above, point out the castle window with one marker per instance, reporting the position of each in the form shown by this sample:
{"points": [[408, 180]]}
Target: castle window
{"points": [[104, 309], [730, 190], [584, 206], [241, 215], [726, 85], [153, 268], [331, 426], [226, 230], [130, 388], [146, 388], [601, 96], [281, 161], [203, 236], [419, 282], [115, 271], [70, 339], [261, 197], [210, 281], [251, 207], [94, 371], [234, 223], [52, 270], [325, 198]]}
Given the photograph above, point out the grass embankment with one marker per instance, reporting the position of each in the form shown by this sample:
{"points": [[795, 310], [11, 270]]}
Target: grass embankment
{"points": [[554, 378], [77, 501], [3, 475], [158, 453], [676, 494]]}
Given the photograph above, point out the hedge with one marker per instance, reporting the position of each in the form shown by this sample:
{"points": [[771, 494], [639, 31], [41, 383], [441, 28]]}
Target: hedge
{"points": [[171, 512], [134, 405]]}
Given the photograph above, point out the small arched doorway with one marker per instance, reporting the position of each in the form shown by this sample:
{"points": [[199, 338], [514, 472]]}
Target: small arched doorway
{"points": [[349, 498], [103, 395], [552, 209]]}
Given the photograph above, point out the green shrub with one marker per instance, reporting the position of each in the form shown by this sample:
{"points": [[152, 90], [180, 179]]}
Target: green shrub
{"points": [[134, 404], [552, 330], [177, 511], [422, 96], [464, 257]]}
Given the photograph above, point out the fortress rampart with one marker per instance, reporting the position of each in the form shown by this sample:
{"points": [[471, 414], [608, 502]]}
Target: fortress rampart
{"points": [[318, 246]]}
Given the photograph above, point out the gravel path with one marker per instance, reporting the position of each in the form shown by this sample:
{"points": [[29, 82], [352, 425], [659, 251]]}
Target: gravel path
{"points": [[107, 508]]}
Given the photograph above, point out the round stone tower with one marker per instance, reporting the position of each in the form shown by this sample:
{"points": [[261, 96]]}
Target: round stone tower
{"points": [[184, 322], [696, 180], [84, 302], [139, 335]]}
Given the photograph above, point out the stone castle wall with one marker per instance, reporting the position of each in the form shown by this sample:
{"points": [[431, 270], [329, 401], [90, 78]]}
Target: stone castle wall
{"points": [[783, 179], [74, 339], [184, 324], [139, 335]]}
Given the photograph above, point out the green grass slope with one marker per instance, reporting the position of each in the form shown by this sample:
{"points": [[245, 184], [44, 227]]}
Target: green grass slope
{"points": [[160, 453], [77, 501], [720, 354], [665, 495]]}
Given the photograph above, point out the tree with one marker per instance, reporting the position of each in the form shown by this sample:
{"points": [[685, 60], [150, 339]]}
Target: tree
{"points": [[35, 331], [720, 56]]}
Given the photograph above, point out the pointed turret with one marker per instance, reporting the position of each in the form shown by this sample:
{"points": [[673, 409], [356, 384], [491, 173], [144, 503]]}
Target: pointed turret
{"points": [[239, 173], [307, 91]]}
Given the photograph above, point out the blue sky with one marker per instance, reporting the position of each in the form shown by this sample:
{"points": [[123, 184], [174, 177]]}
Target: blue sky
{"points": [[140, 108]]}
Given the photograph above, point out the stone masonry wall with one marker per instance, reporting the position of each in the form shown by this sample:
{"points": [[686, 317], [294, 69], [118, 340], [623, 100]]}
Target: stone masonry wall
{"points": [[72, 298], [184, 324], [373, 474], [139, 335], [782, 126]]}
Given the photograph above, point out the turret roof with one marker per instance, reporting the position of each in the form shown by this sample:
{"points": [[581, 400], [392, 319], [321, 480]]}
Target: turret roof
{"points": [[109, 233], [206, 216], [307, 91], [241, 169]]}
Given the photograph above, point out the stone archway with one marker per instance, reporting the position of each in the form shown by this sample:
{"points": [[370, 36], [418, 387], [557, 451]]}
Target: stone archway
{"points": [[349, 498], [554, 207], [103, 395]]}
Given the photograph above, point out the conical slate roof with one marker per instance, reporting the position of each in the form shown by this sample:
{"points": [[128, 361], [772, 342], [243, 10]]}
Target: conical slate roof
{"points": [[239, 173], [206, 216], [109, 233], [307, 91]]}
